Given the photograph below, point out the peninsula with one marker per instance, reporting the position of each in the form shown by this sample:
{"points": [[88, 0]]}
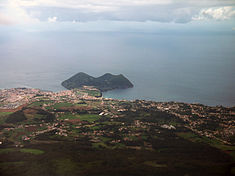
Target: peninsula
{"points": [[103, 83]]}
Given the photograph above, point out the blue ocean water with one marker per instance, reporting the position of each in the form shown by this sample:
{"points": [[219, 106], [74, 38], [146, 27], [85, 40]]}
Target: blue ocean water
{"points": [[184, 68]]}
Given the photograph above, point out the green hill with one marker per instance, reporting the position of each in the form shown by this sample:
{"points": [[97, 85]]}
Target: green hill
{"points": [[103, 83]]}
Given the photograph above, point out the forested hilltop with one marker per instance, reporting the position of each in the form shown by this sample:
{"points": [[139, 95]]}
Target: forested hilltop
{"points": [[103, 83]]}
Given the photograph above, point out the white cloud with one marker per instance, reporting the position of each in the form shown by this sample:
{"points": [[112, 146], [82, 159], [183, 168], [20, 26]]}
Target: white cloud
{"points": [[5, 20], [108, 5], [178, 11], [52, 19], [91, 3], [221, 13], [14, 13]]}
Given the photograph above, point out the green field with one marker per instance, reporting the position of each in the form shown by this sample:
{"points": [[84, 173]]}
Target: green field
{"points": [[99, 145], [32, 151], [213, 142], [94, 93], [5, 113], [60, 105], [3, 116], [83, 117], [40, 103], [24, 150], [7, 150]]}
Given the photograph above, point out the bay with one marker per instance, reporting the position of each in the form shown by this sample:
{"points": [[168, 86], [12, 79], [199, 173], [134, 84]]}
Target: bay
{"points": [[191, 68]]}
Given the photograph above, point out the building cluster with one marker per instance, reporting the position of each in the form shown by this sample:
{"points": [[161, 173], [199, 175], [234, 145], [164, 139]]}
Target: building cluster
{"points": [[213, 122], [15, 97]]}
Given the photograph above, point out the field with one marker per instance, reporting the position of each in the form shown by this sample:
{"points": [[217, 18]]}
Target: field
{"points": [[5, 113], [212, 142], [83, 117], [3, 116], [103, 138]]}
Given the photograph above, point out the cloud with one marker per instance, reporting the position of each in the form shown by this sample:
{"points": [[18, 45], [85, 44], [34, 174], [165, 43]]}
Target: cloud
{"points": [[4, 20], [52, 19], [177, 11], [118, 3], [221, 13], [90, 4], [15, 14]]}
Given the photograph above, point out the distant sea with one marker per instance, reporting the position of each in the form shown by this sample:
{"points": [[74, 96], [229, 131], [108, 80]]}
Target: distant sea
{"points": [[184, 68]]}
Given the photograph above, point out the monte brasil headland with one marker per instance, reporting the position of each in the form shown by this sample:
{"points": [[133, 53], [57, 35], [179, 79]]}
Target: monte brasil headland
{"points": [[104, 83], [77, 132]]}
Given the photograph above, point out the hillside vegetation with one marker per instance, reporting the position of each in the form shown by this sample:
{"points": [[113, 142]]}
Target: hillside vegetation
{"points": [[103, 83]]}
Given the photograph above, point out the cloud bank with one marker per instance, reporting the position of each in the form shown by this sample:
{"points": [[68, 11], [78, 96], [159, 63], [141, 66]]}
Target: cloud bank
{"points": [[165, 11]]}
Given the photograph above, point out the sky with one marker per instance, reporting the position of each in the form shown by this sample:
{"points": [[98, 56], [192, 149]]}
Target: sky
{"points": [[118, 15]]}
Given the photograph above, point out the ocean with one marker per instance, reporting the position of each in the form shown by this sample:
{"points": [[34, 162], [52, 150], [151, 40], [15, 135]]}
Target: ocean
{"points": [[193, 68]]}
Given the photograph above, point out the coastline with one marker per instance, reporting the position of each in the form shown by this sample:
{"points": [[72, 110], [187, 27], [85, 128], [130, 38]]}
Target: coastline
{"points": [[104, 96]]}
